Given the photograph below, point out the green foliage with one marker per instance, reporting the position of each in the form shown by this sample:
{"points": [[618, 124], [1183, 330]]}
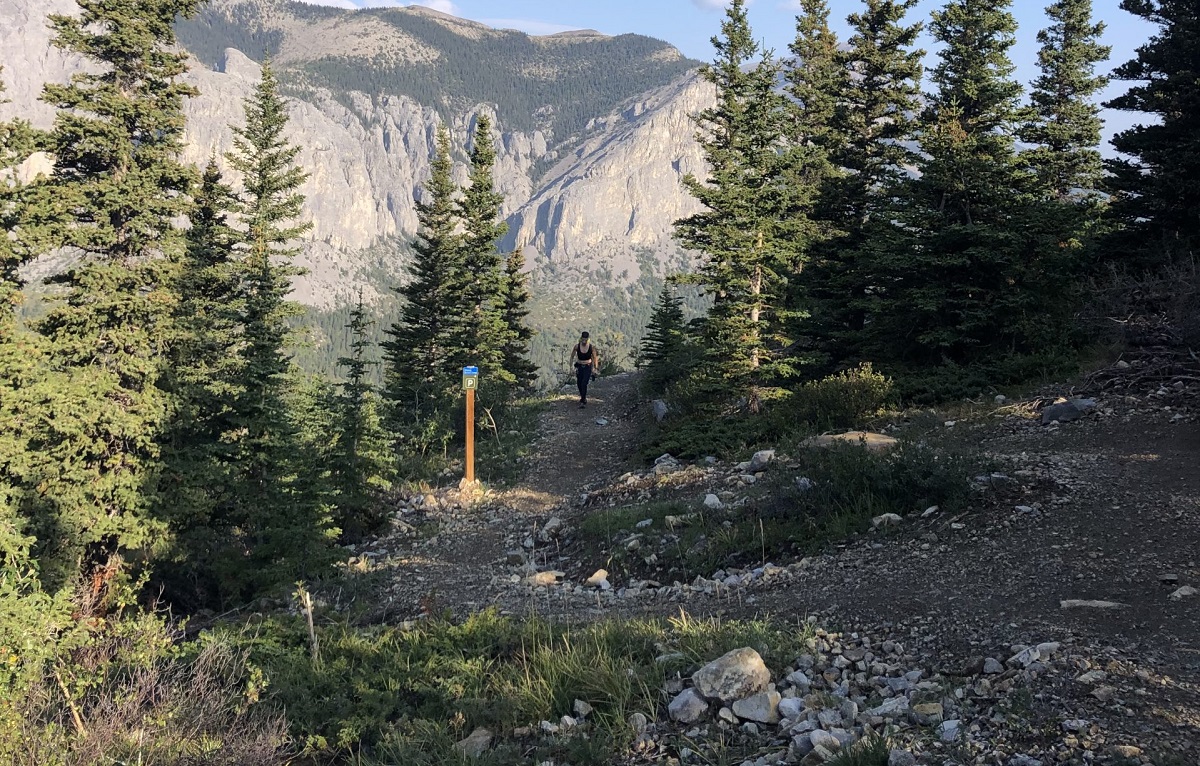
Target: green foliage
{"points": [[753, 231], [18, 140], [1156, 183], [519, 333], [872, 750], [381, 689], [360, 464], [664, 353]]}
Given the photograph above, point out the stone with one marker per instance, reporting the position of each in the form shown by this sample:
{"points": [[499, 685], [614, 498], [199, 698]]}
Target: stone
{"points": [[928, 713], [871, 441], [475, 744], [891, 707], [829, 718], [552, 529], [1186, 591], [761, 708], [1000, 399], [949, 731], [1063, 413], [1126, 751], [800, 680], [761, 459], [601, 421], [734, 676], [582, 709], [1092, 677], [712, 502], [543, 579], [599, 580], [992, 666], [886, 520], [930, 511], [898, 757], [1104, 693], [688, 707], [824, 739], [638, 722], [660, 409], [1075, 603], [791, 707], [1024, 658]]}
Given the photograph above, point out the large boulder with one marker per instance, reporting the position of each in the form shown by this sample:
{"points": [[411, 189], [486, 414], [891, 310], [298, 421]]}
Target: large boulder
{"points": [[732, 677]]}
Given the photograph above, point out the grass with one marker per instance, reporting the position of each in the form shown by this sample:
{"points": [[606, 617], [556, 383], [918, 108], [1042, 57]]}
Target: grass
{"points": [[405, 696], [872, 750], [850, 486]]}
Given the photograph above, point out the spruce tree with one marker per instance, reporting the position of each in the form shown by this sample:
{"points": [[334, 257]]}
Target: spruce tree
{"points": [[116, 189], [754, 230], [481, 328], [284, 522], [18, 140], [420, 375], [514, 311], [952, 283], [1065, 130], [360, 461], [1156, 183], [205, 378], [874, 119], [662, 349], [816, 79]]}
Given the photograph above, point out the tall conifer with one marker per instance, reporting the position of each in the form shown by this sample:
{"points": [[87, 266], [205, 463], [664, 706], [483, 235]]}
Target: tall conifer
{"points": [[661, 351], [1065, 130], [753, 230], [953, 283], [419, 374], [285, 524], [514, 311], [117, 188], [481, 335], [1156, 181], [360, 462]]}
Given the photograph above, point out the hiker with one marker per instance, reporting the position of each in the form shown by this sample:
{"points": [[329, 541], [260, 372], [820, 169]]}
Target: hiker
{"points": [[587, 365]]}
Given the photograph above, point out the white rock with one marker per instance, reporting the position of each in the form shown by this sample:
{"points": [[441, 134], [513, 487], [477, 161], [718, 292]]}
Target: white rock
{"points": [[713, 502], [761, 460], [791, 707], [930, 511], [1184, 592], [949, 730], [992, 666], [891, 707], [762, 707], [582, 709], [1075, 603], [599, 580], [823, 739], [734, 676], [687, 707], [475, 744], [886, 520]]}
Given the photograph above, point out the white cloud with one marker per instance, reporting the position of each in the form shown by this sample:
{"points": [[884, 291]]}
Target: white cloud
{"points": [[528, 26], [445, 6], [711, 5]]}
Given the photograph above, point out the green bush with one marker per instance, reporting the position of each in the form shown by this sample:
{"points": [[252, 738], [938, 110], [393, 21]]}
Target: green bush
{"points": [[842, 400]]}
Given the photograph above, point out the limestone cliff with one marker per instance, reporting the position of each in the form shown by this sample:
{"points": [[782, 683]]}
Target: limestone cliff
{"points": [[598, 201]]}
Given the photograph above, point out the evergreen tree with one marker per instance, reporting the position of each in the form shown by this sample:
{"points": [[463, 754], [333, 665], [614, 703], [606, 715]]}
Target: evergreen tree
{"points": [[1066, 126], [873, 119], [662, 348], [514, 311], [1157, 182], [954, 285], [116, 189], [420, 375], [480, 311], [754, 229], [284, 521], [816, 78], [18, 140], [360, 463], [205, 377]]}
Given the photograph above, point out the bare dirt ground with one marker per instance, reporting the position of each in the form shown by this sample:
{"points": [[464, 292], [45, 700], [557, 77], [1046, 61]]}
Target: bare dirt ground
{"points": [[1111, 514]]}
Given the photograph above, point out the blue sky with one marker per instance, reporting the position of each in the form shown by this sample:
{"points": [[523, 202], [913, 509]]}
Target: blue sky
{"points": [[688, 24]]}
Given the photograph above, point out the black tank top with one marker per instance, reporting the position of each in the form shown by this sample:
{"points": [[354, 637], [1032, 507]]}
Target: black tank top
{"points": [[584, 356]]}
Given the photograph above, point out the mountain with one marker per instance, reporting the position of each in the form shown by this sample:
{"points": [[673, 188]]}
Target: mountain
{"points": [[593, 135]]}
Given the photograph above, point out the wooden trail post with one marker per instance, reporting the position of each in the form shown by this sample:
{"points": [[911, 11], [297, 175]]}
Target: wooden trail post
{"points": [[470, 383]]}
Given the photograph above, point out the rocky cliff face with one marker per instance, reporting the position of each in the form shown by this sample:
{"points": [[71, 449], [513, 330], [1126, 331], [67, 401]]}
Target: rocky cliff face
{"points": [[601, 202]]}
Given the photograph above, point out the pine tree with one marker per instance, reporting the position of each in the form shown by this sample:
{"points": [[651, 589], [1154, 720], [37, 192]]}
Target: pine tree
{"points": [[205, 378], [754, 230], [420, 375], [816, 78], [1157, 182], [361, 467], [480, 310], [514, 311], [874, 119], [117, 188], [1065, 160], [952, 284], [285, 524], [662, 348]]}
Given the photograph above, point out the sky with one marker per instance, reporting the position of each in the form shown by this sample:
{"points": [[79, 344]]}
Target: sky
{"points": [[689, 25]]}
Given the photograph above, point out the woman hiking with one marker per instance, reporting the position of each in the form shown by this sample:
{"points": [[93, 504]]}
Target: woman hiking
{"points": [[587, 365]]}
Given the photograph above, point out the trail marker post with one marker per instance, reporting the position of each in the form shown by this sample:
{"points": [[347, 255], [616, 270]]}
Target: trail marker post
{"points": [[470, 378]]}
